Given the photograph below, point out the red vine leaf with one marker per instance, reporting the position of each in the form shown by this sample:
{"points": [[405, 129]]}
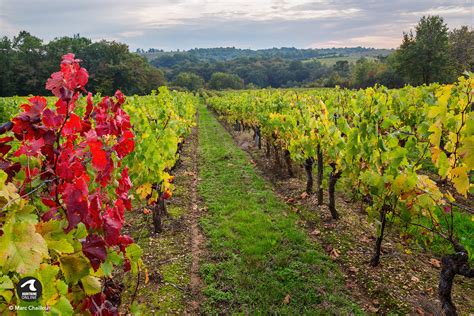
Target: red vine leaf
{"points": [[94, 249]]}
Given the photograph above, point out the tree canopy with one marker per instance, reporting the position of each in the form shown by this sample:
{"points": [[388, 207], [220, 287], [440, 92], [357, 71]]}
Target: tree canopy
{"points": [[26, 63], [189, 81], [222, 80], [424, 56]]}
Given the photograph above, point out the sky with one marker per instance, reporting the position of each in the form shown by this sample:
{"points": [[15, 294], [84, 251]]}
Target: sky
{"points": [[186, 24]]}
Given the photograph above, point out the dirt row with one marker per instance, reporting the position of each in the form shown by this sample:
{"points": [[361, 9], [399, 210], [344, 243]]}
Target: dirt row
{"points": [[169, 283]]}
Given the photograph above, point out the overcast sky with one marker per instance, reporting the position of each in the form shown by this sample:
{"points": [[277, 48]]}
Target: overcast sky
{"points": [[184, 24]]}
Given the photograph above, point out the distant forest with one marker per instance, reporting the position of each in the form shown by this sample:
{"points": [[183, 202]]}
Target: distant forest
{"points": [[267, 70], [292, 53], [429, 53]]}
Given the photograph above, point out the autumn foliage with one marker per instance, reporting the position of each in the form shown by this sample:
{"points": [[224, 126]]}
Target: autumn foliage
{"points": [[63, 161]]}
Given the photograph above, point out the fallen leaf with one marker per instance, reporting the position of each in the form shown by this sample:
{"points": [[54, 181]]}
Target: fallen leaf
{"points": [[147, 279], [304, 195], [373, 309], [315, 232], [415, 279], [290, 200], [334, 254], [287, 299], [435, 262], [353, 269], [146, 211]]}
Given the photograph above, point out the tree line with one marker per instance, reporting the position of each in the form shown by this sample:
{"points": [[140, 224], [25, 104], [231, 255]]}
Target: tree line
{"points": [[26, 63], [229, 53], [430, 53]]}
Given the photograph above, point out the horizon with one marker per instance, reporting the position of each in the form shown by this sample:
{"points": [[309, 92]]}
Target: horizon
{"points": [[188, 24], [210, 47], [262, 48]]}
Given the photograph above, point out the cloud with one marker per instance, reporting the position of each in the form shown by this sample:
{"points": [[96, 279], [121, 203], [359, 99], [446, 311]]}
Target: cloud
{"points": [[445, 11], [244, 10], [183, 24], [130, 34], [368, 41]]}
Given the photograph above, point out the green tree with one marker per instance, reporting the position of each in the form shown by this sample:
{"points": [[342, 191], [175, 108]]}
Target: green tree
{"points": [[58, 47], [297, 71], [30, 75], [117, 68], [390, 77], [189, 80], [365, 73], [342, 68], [424, 57], [7, 84], [222, 80], [335, 80], [26, 64], [461, 48]]}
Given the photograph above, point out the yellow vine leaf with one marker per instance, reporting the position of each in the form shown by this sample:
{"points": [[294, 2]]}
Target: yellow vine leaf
{"points": [[467, 152], [443, 165], [403, 183], [437, 111], [23, 248], [444, 95], [144, 190], [7, 190], [435, 137], [450, 196], [91, 284], [435, 151], [154, 197], [460, 179], [428, 185]]}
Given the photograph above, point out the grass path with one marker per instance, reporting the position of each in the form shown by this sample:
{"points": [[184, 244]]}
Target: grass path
{"points": [[259, 261]]}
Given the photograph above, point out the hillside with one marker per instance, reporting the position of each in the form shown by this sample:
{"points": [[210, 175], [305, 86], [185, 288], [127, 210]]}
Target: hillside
{"points": [[290, 53], [275, 67]]}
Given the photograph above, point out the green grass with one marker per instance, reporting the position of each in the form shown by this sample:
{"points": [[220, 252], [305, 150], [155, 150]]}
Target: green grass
{"points": [[257, 254]]}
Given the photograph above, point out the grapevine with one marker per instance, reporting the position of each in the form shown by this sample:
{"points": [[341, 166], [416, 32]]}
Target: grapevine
{"points": [[63, 197], [378, 141]]}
